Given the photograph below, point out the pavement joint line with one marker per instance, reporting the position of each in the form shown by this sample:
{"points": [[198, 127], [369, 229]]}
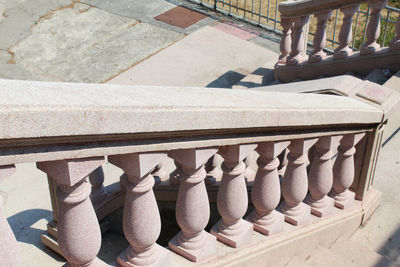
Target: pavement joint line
{"points": [[12, 60], [140, 61], [46, 16], [51, 13], [141, 21]]}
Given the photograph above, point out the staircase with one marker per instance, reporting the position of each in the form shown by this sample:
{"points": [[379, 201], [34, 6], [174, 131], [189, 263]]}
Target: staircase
{"points": [[343, 253], [264, 76]]}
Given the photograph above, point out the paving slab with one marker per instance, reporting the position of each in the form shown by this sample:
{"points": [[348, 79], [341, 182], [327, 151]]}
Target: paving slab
{"points": [[5, 56], [268, 42], [86, 44], [39, 8], [2, 10], [15, 26], [146, 11], [18, 16], [382, 232], [235, 30], [200, 59], [17, 72]]}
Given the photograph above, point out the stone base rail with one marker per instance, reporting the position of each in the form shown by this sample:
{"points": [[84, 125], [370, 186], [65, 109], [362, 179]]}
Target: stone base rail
{"points": [[70, 130], [294, 64]]}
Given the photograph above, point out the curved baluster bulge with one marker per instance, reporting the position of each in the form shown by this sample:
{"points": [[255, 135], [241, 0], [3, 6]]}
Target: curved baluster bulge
{"points": [[319, 41], [373, 28], [320, 178], [295, 183], [232, 198], [141, 219], [192, 206], [266, 192], [296, 56], [343, 171], [346, 34]]}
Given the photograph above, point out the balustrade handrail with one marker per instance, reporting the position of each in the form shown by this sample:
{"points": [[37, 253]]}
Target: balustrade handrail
{"points": [[69, 130], [295, 16], [67, 120]]}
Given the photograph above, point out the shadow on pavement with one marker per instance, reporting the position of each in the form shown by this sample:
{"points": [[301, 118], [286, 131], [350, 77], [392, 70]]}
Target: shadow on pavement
{"points": [[21, 224]]}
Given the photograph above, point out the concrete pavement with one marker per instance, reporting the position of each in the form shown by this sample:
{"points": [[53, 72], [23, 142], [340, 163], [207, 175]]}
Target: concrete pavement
{"points": [[94, 41]]}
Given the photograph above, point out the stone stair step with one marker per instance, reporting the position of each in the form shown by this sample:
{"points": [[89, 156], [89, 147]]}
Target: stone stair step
{"points": [[379, 76], [262, 76], [357, 254], [394, 82]]}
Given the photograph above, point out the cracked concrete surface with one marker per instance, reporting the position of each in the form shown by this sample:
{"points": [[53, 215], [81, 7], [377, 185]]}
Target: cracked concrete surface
{"points": [[20, 15], [64, 40], [86, 44], [5, 57]]}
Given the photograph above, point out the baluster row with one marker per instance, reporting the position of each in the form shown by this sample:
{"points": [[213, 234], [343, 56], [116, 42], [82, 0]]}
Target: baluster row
{"points": [[292, 41], [303, 194]]}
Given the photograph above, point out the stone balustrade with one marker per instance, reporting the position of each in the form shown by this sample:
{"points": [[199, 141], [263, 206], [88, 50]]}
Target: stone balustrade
{"points": [[70, 130], [294, 64]]}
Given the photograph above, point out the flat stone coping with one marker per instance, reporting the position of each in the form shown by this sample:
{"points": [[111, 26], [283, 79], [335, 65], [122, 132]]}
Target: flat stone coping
{"points": [[30, 109]]}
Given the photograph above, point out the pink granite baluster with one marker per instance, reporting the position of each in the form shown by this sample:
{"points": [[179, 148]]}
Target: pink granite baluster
{"points": [[345, 34], [266, 192], [343, 171], [159, 173], [232, 198], [79, 235], [296, 54], [395, 43], [96, 179], [213, 169], [295, 183], [141, 219], [320, 178], [373, 28], [9, 251], [286, 39], [320, 37], [192, 206]]}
